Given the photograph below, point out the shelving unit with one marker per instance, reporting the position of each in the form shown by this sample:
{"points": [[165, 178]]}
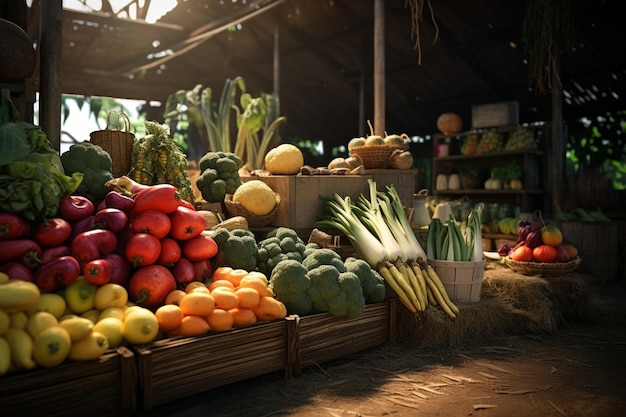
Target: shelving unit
{"points": [[532, 196]]}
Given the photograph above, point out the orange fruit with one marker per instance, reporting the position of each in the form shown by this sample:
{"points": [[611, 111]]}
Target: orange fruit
{"points": [[193, 325], [269, 308], [242, 317], [174, 297], [197, 303], [221, 283], [234, 276], [193, 284], [248, 297], [522, 254], [220, 272], [225, 298], [544, 253], [257, 282], [220, 320], [201, 288], [260, 275], [169, 317]]}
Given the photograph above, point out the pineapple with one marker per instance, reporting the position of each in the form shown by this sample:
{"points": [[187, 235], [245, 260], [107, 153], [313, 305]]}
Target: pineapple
{"points": [[469, 144], [521, 139], [490, 141]]}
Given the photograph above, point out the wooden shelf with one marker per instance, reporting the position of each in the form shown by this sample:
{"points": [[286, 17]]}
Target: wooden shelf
{"points": [[536, 174]]}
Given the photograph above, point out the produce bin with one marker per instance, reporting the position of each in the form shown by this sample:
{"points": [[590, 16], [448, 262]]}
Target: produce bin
{"points": [[300, 202], [323, 337], [103, 387], [171, 369], [462, 280]]}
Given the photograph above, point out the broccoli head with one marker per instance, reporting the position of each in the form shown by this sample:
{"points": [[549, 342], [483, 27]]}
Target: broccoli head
{"points": [[325, 292], [324, 256], [282, 232], [95, 164], [290, 282], [219, 175], [372, 283], [279, 244], [351, 286], [237, 248]]}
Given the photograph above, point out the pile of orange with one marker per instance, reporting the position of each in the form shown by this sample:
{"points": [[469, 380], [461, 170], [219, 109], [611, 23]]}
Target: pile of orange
{"points": [[234, 298]]}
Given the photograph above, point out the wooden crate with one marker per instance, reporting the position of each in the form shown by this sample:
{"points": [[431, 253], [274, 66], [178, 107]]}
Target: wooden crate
{"points": [[300, 203], [172, 369], [495, 114], [597, 244], [104, 387], [323, 337]]}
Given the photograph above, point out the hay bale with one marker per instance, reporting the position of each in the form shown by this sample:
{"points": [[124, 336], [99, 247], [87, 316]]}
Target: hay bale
{"points": [[511, 304], [548, 302], [474, 323], [528, 296]]}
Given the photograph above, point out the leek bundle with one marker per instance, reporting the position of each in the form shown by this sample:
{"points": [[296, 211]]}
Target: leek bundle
{"points": [[379, 229]]}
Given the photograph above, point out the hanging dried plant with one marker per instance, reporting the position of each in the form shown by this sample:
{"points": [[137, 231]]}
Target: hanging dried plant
{"points": [[548, 28], [417, 12]]}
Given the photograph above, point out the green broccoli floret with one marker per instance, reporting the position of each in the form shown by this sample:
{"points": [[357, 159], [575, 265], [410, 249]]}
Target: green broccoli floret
{"points": [[351, 286], [372, 283], [325, 292], [273, 261], [290, 282], [95, 164], [273, 249], [288, 244], [324, 256], [226, 166], [237, 248], [279, 244], [219, 175], [283, 232], [310, 247]]}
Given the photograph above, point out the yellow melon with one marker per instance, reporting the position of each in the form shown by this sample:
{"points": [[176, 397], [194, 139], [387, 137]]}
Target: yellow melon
{"points": [[255, 196], [285, 159]]}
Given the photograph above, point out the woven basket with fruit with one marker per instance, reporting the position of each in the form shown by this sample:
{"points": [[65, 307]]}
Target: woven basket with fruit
{"points": [[540, 250]]}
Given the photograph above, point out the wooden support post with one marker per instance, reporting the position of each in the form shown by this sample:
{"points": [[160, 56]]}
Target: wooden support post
{"points": [[379, 67], [51, 35], [558, 138]]}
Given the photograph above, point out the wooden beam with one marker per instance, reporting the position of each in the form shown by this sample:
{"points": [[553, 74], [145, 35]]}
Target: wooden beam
{"points": [[196, 39], [111, 19], [51, 36]]}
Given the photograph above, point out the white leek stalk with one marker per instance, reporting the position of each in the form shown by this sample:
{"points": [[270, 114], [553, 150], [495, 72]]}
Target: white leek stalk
{"points": [[406, 225], [343, 219], [475, 225]]}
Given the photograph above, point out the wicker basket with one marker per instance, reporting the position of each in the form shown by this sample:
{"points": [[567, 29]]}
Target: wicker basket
{"points": [[236, 209], [543, 269], [374, 157], [117, 141]]}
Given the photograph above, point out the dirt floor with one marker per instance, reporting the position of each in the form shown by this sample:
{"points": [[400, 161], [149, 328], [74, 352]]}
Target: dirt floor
{"points": [[580, 370]]}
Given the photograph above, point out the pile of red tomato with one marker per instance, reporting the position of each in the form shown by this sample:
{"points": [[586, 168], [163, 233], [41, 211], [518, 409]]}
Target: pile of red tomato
{"points": [[151, 243]]}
